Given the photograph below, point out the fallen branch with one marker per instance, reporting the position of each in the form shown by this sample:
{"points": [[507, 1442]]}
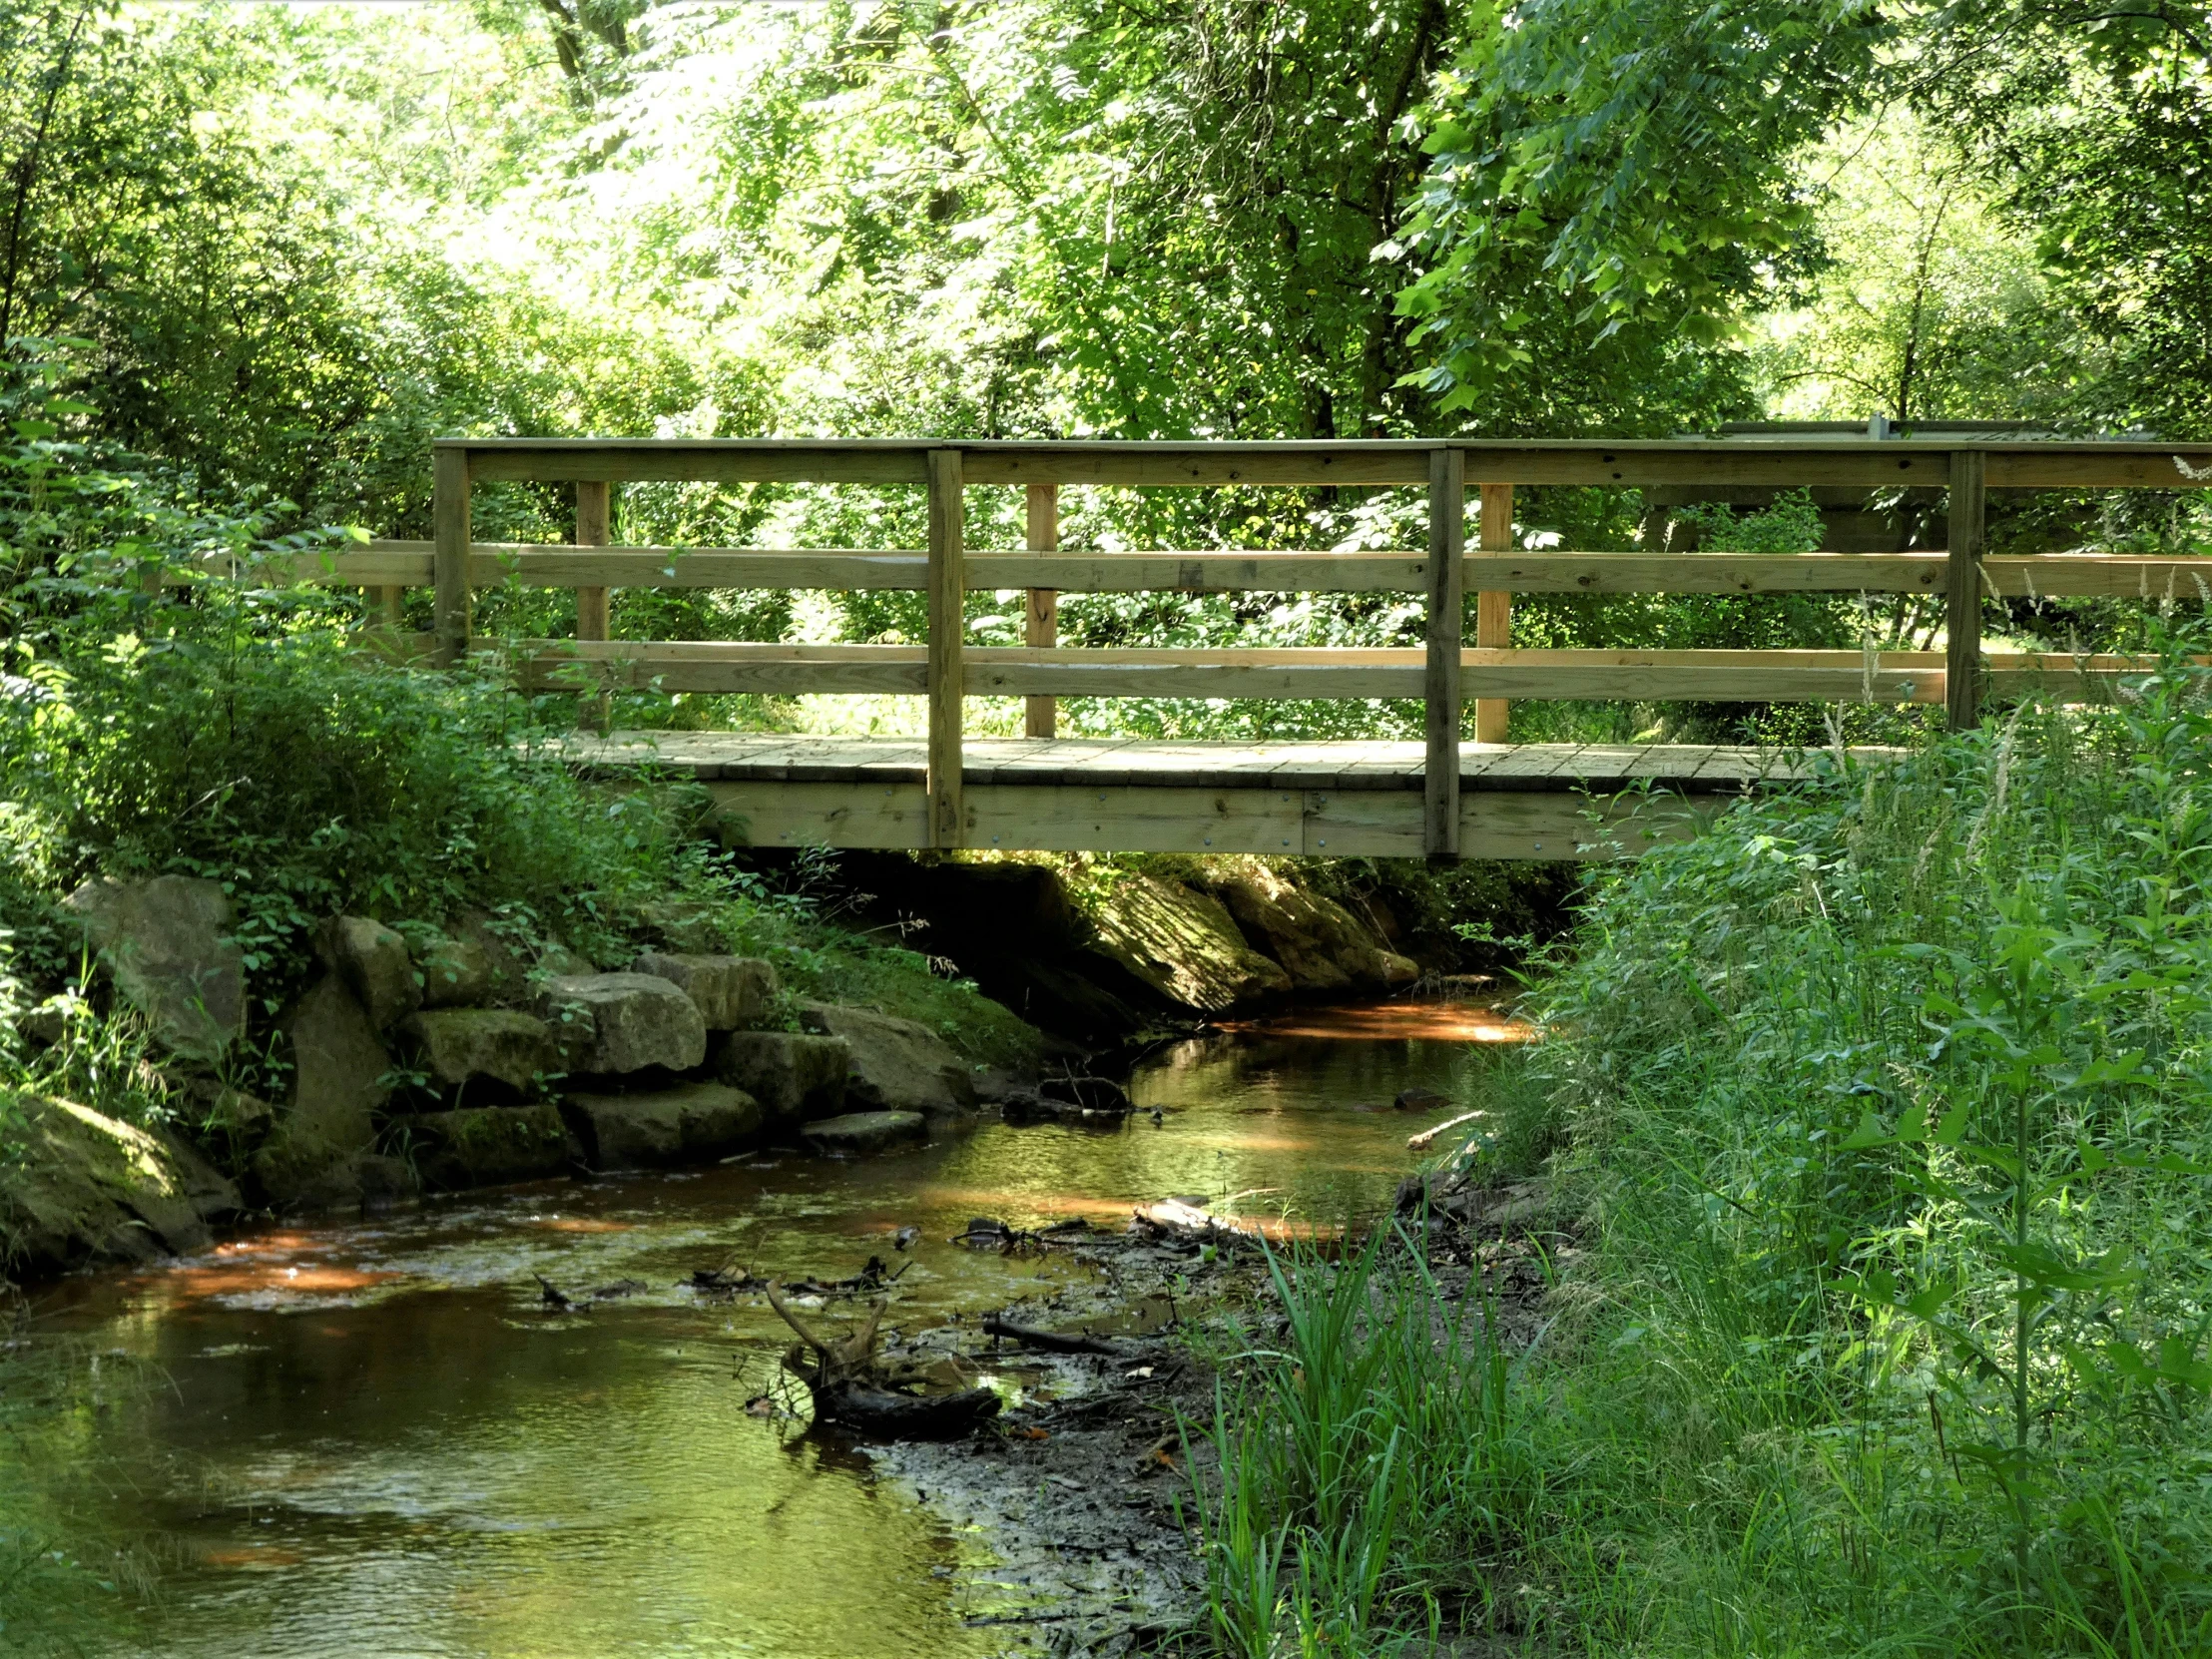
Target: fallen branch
{"points": [[1052, 1341], [1428, 1137], [1187, 1221]]}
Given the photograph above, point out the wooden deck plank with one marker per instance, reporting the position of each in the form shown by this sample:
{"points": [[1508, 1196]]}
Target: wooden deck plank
{"points": [[1385, 767]]}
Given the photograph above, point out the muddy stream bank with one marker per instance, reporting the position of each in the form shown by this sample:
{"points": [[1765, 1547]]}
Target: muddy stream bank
{"points": [[377, 1438]]}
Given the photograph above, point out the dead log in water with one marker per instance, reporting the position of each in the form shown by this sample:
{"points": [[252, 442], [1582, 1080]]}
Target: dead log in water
{"points": [[850, 1388]]}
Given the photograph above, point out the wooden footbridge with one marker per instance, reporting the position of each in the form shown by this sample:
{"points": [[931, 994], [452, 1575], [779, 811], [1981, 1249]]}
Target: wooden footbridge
{"points": [[1443, 797]]}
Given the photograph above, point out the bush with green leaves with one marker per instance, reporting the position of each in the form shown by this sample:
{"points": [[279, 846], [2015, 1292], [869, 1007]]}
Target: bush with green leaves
{"points": [[1895, 1095], [1887, 1107], [172, 703]]}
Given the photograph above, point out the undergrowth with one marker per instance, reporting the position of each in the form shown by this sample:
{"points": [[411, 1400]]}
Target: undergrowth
{"points": [[1885, 1109], [161, 716]]}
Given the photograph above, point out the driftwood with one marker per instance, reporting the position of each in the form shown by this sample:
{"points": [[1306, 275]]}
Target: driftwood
{"points": [[847, 1385], [1427, 1137], [1052, 1341], [1181, 1220]]}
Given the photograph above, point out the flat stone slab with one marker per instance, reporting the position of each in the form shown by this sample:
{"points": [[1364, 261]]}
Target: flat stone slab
{"points": [[460, 1046], [693, 1124], [731, 992], [898, 1065], [790, 1073], [484, 1146], [622, 1022], [866, 1131]]}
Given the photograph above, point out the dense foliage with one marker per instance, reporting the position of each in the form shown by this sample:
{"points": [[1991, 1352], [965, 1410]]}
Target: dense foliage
{"points": [[1881, 1117]]}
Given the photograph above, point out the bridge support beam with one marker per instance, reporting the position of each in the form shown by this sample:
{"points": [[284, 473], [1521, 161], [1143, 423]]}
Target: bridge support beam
{"points": [[1448, 535], [1544, 826]]}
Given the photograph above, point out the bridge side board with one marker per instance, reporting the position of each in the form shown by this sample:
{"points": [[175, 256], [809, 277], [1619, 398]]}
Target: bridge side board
{"points": [[1383, 824]]}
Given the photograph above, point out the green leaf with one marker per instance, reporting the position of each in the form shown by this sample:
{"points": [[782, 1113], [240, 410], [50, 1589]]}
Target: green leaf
{"points": [[1869, 1133], [1953, 1126], [1929, 1300]]}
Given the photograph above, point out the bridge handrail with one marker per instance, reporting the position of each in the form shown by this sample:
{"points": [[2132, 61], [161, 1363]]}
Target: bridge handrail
{"points": [[1443, 673]]}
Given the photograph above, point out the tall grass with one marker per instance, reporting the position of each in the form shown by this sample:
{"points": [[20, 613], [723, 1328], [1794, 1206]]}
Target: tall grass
{"points": [[1886, 1108], [1366, 1456]]}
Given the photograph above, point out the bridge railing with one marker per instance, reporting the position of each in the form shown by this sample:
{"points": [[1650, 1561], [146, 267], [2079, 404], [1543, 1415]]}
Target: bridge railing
{"points": [[1444, 672]]}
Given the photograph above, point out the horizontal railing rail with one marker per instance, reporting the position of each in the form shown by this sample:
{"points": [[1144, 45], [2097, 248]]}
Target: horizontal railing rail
{"points": [[2099, 463], [410, 564], [1444, 672]]}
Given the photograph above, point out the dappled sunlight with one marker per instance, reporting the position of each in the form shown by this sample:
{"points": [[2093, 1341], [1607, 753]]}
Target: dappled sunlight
{"points": [[1471, 1022]]}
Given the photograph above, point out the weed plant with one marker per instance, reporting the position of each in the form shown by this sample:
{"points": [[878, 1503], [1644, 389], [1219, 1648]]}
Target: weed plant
{"points": [[1885, 1106], [1365, 1457]]}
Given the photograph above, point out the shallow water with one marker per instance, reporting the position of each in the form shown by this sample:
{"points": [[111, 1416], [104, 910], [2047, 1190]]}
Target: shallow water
{"points": [[374, 1439]]}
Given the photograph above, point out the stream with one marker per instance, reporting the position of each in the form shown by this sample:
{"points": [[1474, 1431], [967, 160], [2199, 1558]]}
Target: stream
{"points": [[374, 1437]]}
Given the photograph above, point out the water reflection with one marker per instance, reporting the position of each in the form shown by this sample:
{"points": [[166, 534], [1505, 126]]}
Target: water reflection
{"points": [[379, 1440]]}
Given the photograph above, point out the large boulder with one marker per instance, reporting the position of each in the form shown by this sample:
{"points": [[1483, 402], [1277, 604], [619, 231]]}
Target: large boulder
{"points": [[506, 961], [687, 1125], [456, 971], [897, 1064], [1183, 944], [373, 964], [482, 1146], [163, 944], [794, 1076], [866, 1131], [460, 1047], [730, 992], [612, 1023], [514, 964], [312, 1158], [86, 1186], [1319, 943]]}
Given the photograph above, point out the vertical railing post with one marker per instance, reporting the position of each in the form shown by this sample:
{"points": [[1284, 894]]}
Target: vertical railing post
{"points": [[1493, 612], [387, 609], [1962, 591], [1041, 628], [450, 555], [948, 590], [594, 524], [1447, 534], [594, 513]]}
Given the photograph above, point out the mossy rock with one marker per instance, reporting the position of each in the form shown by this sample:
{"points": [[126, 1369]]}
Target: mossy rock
{"points": [[486, 1146]]}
